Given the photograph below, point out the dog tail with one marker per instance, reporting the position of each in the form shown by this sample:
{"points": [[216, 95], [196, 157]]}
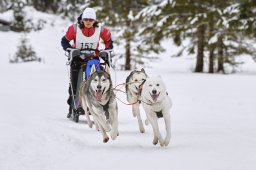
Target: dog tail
{"points": [[146, 122]]}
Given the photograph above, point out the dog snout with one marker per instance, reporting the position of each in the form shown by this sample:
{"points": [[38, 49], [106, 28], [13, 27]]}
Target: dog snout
{"points": [[99, 87], [154, 91]]}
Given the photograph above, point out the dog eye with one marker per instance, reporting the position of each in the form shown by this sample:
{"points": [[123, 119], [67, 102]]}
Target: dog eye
{"points": [[103, 79], [136, 79], [95, 80], [157, 85]]}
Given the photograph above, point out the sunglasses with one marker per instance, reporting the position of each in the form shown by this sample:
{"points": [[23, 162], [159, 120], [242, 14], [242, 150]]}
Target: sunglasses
{"points": [[87, 19]]}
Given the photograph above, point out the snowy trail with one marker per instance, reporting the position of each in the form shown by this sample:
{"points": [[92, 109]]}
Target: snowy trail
{"points": [[213, 125]]}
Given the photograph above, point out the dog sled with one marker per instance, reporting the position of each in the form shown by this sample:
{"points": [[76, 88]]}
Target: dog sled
{"points": [[105, 57]]}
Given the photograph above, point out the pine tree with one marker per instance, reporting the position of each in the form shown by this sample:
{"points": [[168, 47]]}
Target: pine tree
{"points": [[25, 52], [18, 24]]}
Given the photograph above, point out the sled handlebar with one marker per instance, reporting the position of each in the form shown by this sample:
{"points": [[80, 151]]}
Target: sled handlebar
{"points": [[106, 55]]}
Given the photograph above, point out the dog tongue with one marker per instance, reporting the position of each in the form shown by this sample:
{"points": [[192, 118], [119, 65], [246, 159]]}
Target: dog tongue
{"points": [[98, 95], [154, 97], [139, 92]]}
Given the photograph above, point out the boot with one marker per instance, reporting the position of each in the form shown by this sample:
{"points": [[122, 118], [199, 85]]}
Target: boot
{"points": [[80, 111], [69, 112]]}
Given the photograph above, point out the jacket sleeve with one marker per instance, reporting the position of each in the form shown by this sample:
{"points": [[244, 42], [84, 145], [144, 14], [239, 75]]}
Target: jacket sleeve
{"points": [[106, 37], [70, 35], [65, 43]]}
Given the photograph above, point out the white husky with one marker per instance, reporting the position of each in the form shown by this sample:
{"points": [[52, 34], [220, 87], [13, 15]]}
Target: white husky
{"points": [[157, 104], [133, 88]]}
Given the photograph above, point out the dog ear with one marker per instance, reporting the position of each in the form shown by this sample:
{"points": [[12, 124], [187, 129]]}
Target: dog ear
{"points": [[107, 69], [93, 69]]}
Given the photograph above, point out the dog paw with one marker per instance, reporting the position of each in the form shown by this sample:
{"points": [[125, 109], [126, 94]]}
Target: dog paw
{"points": [[90, 124], [107, 128], [155, 141], [142, 130], [114, 135], [105, 140], [166, 142], [162, 144]]}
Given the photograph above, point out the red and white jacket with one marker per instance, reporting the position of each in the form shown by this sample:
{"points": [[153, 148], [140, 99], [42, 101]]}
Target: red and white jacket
{"points": [[105, 35]]}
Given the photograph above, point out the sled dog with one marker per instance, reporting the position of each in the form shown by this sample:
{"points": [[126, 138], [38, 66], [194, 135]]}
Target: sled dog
{"points": [[133, 88], [157, 104], [97, 95]]}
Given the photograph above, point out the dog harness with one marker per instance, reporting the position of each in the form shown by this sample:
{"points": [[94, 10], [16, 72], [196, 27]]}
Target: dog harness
{"points": [[105, 108], [141, 87], [159, 114]]}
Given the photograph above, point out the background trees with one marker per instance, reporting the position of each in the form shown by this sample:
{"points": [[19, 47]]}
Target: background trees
{"points": [[218, 31]]}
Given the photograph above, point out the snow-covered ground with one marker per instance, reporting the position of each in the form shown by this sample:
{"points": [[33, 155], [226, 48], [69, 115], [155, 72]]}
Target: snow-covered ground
{"points": [[213, 116]]}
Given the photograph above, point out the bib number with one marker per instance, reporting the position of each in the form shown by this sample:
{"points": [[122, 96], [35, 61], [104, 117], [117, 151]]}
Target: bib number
{"points": [[86, 45]]}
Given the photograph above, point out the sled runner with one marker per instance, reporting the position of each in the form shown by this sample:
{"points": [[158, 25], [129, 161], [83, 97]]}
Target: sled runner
{"points": [[105, 57]]}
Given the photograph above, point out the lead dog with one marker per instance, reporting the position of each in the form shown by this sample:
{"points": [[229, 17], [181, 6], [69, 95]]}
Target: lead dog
{"points": [[157, 104], [97, 95], [133, 88]]}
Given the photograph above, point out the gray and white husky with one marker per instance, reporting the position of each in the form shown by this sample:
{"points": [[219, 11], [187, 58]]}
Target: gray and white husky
{"points": [[97, 95], [133, 88], [157, 104]]}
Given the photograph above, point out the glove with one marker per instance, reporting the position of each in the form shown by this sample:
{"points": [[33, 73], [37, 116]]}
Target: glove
{"points": [[103, 55], [74, 53]]}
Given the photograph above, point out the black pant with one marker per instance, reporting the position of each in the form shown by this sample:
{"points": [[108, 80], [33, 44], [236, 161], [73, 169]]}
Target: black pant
{"points": [[75, 67]]}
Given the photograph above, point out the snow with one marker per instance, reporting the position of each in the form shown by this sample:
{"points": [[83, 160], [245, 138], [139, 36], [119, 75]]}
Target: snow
{"points": [[213, 116], [214, 39], [233, 9], [8, 16]]}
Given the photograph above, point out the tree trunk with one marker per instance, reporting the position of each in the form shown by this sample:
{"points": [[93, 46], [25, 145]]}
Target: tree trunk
{"points": [[220, 55], [211, 46], [127, 55], [200, 49], [211, 59], [127, 36]]}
